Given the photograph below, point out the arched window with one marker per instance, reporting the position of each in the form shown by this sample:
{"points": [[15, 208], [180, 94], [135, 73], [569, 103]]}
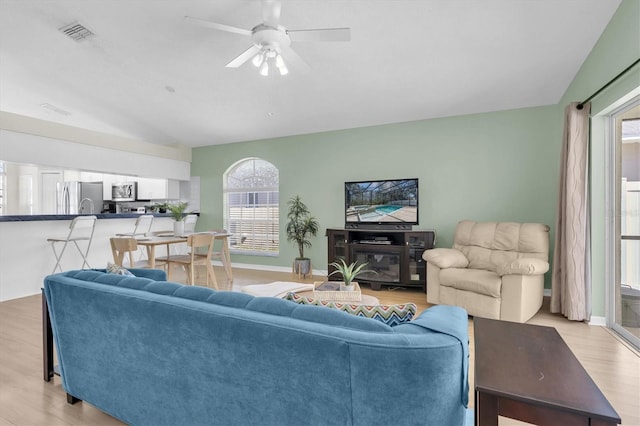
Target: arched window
{"points": [[251, 207]]}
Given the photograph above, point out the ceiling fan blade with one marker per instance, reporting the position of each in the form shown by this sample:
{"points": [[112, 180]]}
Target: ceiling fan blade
{"points": [[291, 57], [271, 12], [326, 34], [244, 57], [221, 27]]}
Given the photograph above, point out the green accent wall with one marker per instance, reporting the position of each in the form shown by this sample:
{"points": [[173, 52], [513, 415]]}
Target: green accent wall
{"points": [[617, 48], [500, 166]]}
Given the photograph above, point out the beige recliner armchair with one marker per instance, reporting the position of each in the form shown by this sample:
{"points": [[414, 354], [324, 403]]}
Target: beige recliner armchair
{"points": [[494, 270]]}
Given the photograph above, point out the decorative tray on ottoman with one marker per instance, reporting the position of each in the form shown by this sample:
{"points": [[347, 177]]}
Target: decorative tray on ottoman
{"points": [[330, 290]]}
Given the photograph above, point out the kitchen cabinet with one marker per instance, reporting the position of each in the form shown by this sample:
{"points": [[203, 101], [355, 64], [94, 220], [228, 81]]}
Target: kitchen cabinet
{"points": [[158, 189]]}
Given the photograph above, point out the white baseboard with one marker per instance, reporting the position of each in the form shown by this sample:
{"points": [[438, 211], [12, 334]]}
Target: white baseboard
{"points": [[598, 321]]}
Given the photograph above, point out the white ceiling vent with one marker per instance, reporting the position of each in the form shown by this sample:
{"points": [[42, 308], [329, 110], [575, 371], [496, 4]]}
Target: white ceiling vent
{"points": [[55, 109], [76, 31]]}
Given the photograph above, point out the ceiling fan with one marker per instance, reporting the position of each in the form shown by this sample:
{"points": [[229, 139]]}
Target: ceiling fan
{"points": [[271, 41]]}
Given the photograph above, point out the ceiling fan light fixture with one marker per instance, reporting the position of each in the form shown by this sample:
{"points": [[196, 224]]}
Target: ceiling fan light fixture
{"points": [[281, 65], [264, 68], [258, 59]]}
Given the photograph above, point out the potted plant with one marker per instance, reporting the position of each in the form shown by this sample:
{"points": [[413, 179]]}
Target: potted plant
{"points": [[300, 226], [349, 273], [177, 213]]}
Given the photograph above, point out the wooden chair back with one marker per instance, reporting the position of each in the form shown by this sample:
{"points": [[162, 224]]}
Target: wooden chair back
{"points": [[201, 247], [121, 247]]}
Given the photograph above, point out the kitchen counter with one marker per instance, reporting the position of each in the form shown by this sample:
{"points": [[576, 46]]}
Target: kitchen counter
{"points": [[27, 257], [40, 217]]}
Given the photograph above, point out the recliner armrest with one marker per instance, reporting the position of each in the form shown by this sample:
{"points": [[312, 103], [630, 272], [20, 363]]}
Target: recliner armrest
{"points": [[446, 258], [524, 266]]}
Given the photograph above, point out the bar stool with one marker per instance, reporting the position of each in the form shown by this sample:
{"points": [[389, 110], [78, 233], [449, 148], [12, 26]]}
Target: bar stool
{"points": [[80, 229], [190, 221], [141, 228]]}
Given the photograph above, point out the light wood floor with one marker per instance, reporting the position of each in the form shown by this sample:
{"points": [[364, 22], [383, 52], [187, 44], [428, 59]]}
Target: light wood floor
{"points": [[25, 399]]}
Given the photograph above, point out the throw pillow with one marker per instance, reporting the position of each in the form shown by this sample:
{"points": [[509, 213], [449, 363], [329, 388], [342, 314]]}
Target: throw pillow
{"points": [[389, 314], [112, 268]]}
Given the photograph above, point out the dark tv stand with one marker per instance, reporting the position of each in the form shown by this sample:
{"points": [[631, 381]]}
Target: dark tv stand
{"points": [[395, 254]]}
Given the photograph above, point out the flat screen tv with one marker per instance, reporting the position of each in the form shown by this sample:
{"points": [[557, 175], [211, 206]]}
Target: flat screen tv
{"points": [[381, 202]]}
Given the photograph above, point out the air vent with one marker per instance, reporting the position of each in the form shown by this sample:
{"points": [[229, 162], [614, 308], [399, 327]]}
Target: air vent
{"points": [[76, 31], [55, 109]]}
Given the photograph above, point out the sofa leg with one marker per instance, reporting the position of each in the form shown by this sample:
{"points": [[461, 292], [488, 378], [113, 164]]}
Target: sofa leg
{"points": [[72, 399]]}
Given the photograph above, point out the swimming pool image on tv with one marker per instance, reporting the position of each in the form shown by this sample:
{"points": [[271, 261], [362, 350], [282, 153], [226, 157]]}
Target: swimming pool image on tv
{"points": [[383, 201], [378, 211]]}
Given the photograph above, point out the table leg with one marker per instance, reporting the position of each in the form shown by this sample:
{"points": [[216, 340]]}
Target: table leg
{"points": [[226, 258], [486, 409], [47, 342], [151, 254]]}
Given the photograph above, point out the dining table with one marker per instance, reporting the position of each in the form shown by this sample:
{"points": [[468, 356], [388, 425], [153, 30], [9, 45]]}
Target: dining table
{"points": [[168, 239]]}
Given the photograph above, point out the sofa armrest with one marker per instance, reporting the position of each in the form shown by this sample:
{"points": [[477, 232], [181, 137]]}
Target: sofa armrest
{"points": [[524, 266], [453, 321], [446, 258]]}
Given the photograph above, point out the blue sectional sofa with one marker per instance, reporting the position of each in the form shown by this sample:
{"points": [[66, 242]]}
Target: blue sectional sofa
{"points": [[151, 352]]}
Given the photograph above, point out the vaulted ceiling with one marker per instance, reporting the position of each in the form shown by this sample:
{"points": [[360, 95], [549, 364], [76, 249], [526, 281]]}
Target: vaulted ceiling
{"points": [[147, 73]]}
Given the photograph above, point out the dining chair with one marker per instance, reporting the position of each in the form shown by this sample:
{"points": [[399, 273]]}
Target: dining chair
{"points": [[198, 243], [222, 255], [123, 247], [80, 229]]}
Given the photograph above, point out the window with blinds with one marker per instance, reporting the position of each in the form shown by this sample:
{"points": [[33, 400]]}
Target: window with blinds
{"points": [[251, 212]]}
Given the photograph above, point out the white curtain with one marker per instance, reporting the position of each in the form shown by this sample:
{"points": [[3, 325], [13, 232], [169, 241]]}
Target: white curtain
{"points": [[570, 280]]}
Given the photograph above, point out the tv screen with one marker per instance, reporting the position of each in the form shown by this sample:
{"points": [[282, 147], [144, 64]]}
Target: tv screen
{"points": [[382, 202]]}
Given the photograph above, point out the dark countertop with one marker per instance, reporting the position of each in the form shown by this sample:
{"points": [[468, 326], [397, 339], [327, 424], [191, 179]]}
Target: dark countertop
{"points": [[41, 217]]}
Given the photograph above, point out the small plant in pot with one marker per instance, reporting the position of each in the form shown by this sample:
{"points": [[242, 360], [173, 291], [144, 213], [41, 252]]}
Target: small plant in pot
{"points": [[300, 226], [177, 213], [349, 273]]}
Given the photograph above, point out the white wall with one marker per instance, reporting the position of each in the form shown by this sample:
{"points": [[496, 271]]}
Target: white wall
{"points": [[25, 148], [32, 141]]}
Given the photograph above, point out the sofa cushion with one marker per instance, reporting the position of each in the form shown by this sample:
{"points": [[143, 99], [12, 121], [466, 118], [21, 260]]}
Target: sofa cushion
{"points": [[475, 280], [389, 314], [488, 245]]}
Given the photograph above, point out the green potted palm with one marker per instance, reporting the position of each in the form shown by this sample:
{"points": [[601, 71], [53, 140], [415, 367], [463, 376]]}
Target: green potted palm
{"points": [[349, 273], [177, 213], [300, 226]]}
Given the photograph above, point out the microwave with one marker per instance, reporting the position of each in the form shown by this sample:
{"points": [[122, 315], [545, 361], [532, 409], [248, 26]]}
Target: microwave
{"points": [[124, 191]]}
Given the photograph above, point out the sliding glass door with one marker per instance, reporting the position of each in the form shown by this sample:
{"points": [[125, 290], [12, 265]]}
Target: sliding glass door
{"points": [[624, 294]]}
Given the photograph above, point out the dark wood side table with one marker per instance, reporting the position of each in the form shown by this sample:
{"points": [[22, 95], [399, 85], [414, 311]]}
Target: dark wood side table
{"points": [[527, 372]]}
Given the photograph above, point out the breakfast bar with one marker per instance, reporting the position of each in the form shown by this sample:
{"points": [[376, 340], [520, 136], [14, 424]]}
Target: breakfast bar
{"points": [[25, 237]]}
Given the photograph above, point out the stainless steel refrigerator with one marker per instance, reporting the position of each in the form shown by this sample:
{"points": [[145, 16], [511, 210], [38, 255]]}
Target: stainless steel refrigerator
{"points": [[79, 197]]}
